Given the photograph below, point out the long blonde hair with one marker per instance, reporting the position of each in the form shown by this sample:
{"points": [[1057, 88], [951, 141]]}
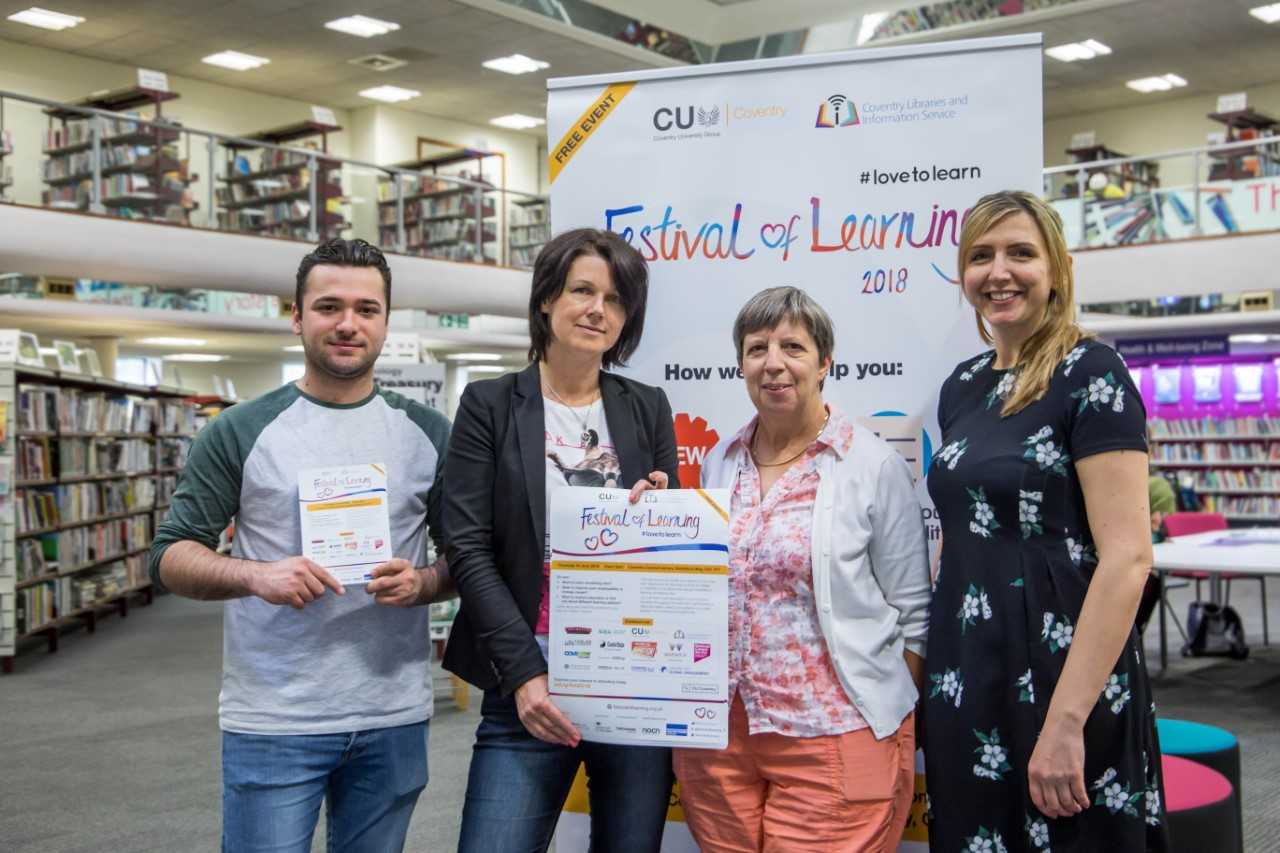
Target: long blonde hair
{"points": [[1057, 333]]}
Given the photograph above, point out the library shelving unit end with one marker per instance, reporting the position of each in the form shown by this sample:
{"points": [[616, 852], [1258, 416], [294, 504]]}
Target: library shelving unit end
{"points": [[88, 465]]}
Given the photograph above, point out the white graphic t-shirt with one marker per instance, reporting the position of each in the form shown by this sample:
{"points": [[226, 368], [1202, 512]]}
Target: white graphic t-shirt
{"points": [[579, 453]]}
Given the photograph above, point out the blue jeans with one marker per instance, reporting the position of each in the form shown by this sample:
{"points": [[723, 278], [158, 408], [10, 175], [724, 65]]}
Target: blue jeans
{"points": [[518, 784], [272, 786]]}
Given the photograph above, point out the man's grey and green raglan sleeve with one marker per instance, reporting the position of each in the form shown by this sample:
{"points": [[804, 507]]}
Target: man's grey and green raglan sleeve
{"points": [[208, 493], [436, 427]]}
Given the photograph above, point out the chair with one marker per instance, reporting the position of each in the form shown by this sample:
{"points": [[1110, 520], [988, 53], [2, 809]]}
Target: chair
{"points": [[1201, 806], [1207, 745], [1186, 523]]}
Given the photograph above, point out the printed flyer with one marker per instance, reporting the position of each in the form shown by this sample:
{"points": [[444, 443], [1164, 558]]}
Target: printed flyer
{"points": [[638, 650], [346, 526]]}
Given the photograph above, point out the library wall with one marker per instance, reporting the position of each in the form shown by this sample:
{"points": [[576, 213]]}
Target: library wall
{"points": [[1165, 125]]}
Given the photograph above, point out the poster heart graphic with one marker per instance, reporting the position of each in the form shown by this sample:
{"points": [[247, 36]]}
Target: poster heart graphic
{"points": [[608, 537], [767, 230], [592, 543]]}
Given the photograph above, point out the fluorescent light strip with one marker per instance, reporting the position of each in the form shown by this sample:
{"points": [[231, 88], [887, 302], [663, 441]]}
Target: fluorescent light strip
{"points": [[517, 121], [516, 63], [390, 94], [473, 356], [360, 25], [1269, 14], [45, 19], [173, 342], [235, 60], [194, 357]]}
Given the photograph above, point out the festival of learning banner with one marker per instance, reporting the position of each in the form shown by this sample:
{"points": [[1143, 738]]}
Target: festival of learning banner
{"points": [[846, 174]]}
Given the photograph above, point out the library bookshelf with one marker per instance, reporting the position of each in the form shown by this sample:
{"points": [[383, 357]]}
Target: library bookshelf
{"points": [[1233, 463], [274, 195], [89, 467]]}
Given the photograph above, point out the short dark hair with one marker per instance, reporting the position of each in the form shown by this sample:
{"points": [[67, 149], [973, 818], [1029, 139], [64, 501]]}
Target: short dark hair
{"points": [[629, 272], [343, 253]]}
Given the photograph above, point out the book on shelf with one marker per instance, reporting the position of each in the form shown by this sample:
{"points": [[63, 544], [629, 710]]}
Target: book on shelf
{"points": [[35, 509], [34, 458], [35, 606], [37, 408], [29, 558]]}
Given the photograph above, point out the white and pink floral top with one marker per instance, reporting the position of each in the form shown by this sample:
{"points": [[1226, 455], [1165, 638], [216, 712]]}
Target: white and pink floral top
{"points": [[778, 659]]}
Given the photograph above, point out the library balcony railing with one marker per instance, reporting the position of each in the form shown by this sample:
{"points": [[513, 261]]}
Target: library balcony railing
{"points": [[1230, 188], [106, 163]]}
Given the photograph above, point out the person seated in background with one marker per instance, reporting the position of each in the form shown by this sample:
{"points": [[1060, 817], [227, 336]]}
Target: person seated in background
{"points": [[1161, 498]]}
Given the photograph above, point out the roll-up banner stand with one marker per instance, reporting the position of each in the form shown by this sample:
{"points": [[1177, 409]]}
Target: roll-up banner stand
{"points": [[846, 174]]}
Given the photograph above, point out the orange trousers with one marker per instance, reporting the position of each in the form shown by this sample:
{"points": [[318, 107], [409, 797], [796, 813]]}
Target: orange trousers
{"points": [[846, 793]]}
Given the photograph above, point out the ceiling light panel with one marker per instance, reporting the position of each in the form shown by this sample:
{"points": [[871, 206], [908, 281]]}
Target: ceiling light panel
{"points": [[360, 25], [1078, 50], [1163, 83], [45, 19], [516, 63], [235, 60], [390, 94], [474, 356], [1269, 14], [517, 121]]}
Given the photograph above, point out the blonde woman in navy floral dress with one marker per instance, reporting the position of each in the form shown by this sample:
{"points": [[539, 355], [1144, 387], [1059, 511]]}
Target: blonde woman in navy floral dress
{"points": [[1039, 727]]}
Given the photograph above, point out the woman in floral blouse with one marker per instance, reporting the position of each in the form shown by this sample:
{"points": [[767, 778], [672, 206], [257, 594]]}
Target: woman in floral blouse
{"points": [[829, 591], [1039, 729]]}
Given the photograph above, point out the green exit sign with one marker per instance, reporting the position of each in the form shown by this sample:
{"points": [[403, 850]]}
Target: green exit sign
{"points": [[455, 321]]}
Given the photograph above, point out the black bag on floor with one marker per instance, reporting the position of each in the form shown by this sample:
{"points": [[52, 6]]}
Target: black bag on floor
{"points": [[1214, 630]]}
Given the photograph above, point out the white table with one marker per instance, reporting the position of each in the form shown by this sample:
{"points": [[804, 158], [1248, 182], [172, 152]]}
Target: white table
{"points": [[1254, 551]]}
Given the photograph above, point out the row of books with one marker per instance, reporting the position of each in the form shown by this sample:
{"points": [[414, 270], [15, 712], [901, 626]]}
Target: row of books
{"points": [[265, 187], [37, 408], [1188, 427], [459, 206], [172, 452], [87, 457], [80, 545], [96, 411], [79, 131], [438, 232], [174, 416], [424, 185], [1228, 505], [80, 164], [30, 558], [51, 506], [1238, 479], [33, 459], [166, 485], [41, 604], [1217, 451]]}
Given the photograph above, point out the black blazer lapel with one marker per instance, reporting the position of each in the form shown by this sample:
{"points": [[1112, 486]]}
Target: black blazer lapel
{"points": [[623, 429], [532, 445]]}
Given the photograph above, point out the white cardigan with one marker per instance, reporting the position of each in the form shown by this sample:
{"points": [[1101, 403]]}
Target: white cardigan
{"points": [[870, 569]]}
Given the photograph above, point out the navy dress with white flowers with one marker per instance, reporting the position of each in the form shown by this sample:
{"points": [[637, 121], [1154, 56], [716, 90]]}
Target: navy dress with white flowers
{"points": [[1016, 561]]}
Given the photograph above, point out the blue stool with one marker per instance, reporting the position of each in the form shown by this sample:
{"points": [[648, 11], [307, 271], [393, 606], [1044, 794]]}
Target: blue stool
{"points": [[1211, 747]]}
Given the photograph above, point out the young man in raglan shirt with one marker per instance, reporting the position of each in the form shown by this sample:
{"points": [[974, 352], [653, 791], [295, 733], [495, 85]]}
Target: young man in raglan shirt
{"points": [[326, 691]]}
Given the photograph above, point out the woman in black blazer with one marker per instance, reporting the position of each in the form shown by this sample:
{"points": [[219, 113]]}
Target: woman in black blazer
{"points": [[561, 421]]}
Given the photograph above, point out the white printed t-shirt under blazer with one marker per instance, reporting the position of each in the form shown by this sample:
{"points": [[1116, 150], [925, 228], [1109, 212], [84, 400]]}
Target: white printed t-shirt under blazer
{"points": [[870, 569], [342, 663]]}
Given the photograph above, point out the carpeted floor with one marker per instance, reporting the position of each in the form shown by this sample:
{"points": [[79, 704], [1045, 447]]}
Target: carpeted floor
{"points": [[112, 743]]}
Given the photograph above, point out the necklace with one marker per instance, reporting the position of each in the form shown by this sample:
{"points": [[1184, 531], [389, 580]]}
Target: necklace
{"points": [[586, 418], [788, 461]]}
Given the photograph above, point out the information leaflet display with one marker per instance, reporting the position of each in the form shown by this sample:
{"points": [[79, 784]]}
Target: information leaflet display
{"points": [[638, 649]]}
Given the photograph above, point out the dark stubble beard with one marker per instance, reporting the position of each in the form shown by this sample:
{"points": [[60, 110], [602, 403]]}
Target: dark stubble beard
{"points": [[320, 364]]}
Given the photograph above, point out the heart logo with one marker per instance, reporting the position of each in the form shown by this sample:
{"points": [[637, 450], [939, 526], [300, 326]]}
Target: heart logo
{"points": [[592, 543], [608, 537], [767, 230]]}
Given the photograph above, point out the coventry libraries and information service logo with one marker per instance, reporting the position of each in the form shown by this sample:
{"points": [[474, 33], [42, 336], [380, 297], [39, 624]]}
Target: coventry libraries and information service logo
{"points": [[837, 111]]}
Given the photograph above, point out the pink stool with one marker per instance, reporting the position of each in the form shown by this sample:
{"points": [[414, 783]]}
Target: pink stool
{"points": [[1201, 807]]}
